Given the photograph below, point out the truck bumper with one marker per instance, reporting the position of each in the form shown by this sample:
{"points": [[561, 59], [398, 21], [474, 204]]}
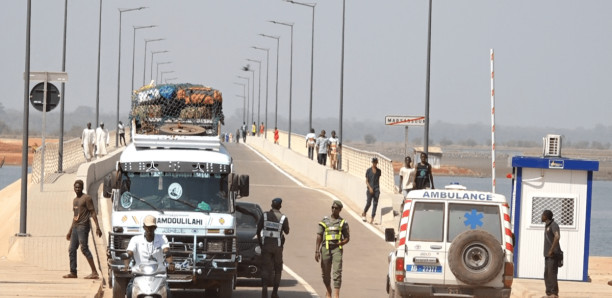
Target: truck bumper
{"points": [[417, 290]]}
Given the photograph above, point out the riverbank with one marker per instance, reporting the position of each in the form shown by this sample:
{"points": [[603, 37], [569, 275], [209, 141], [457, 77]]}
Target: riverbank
{"points": [[11, 149]]}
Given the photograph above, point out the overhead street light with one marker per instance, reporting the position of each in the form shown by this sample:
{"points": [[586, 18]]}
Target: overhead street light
{"points": [[157, 69], [311, 5], [152, 57], [121, 11], [161, 78], [134, 49], [267, 76], [258, 91], [246, 110], [248, 68], [290, 77], [243, 99], [276, 96], [144, 64]]}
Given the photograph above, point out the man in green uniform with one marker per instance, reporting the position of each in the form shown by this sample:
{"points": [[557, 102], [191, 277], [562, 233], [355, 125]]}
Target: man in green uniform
{"points": [[332, 235], [271, 230]]}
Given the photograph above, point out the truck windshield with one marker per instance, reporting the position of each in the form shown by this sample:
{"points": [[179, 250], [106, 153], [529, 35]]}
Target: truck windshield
{"points": [[201, 192]]}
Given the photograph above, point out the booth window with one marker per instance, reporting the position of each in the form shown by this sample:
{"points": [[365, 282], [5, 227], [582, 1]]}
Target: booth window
{"points": [[564, 210]]}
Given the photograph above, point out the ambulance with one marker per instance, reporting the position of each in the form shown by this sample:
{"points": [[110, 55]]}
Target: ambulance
{"points": [[452, 242]]}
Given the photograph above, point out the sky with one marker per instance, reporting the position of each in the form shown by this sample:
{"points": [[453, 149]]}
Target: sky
{"points": [[552, 57]]}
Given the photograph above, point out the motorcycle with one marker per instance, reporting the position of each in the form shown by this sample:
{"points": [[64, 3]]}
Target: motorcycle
{"points": [[149, 279]]}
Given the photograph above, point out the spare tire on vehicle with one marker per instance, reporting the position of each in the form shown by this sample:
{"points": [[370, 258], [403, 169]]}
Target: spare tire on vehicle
{"points": [[475, 257]]}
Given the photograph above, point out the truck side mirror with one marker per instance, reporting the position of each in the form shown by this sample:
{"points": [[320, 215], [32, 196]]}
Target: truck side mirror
{"points": [[233, 180], [390, 235], [244, 185]]}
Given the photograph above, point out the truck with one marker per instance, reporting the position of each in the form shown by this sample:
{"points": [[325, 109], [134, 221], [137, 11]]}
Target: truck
{"points": [[177, 170]]}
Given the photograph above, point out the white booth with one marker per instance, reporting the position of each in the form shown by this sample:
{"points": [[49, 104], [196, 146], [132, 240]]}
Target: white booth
{"points": [[563, 186]]}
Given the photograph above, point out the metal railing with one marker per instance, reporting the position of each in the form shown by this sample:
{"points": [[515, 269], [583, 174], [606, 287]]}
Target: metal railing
{"points": [[354, 161]]}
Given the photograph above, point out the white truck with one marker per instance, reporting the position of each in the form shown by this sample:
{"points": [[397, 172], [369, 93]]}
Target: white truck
{"points": [[177, 170], [452, 242]]}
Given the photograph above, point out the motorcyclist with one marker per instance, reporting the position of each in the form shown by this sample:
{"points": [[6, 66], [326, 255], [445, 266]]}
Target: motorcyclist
{"points": [[149, 246]]}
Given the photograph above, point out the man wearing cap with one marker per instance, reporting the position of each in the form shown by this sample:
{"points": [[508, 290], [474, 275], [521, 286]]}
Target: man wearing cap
{"points": [[148, 246], [78, 234], [102, 140], [270, 233], [373, 192], [332, 235]]}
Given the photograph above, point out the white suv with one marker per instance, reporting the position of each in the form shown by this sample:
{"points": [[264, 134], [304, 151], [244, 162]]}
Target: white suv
{"points": [[452, 242]]}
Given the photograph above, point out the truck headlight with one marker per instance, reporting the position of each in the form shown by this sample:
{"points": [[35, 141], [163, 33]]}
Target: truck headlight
{"points": [[214, 246]]}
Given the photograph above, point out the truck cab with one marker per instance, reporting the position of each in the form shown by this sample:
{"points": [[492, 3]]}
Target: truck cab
{"points": [[452, 242]]}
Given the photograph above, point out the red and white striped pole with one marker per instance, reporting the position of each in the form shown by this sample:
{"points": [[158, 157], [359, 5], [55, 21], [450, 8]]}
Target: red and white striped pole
{"points": [[492, 122]]}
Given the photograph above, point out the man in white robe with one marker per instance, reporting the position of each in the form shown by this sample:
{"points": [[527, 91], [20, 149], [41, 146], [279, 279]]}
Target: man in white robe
{"points": [[88, 139], [102, 140]]}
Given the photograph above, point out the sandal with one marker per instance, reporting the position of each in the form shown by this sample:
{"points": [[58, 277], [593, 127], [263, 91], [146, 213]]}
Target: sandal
{"points": [[70, 275], [92, 276]]}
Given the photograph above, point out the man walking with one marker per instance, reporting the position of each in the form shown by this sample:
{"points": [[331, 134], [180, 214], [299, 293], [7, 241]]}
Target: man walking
{"points": [[551, 251], [321, 145], [373, 192], [88, 139], [424, 178], [310, 142], [334, 150], [121, 130], [102, 140], [78, 234], [271, 230], [332, 235]]}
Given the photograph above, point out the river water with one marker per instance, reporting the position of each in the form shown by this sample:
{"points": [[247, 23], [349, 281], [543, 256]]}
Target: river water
{"points": [[10, 174]]}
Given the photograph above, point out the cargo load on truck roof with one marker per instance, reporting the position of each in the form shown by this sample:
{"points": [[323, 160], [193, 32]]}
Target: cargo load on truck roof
{"points": [[177, 109]]}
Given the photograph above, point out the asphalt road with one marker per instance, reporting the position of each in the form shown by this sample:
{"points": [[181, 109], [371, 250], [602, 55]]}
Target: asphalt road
{"points": [[365, 256]]}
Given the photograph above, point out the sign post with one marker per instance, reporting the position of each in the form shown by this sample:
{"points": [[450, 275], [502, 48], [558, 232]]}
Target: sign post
{"points": [[405, 121], [48, 101]]}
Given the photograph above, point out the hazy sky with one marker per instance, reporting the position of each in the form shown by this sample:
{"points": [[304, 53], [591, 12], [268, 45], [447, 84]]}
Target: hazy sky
{"points": [[552, 57]]}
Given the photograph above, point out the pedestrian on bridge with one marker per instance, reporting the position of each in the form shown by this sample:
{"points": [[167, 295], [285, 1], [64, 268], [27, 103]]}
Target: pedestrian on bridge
{"points": [[332, 235], [271, 230], [102, 140], [78, 234], [373, 192], [310, 142], [88, 139], [322, 144]]}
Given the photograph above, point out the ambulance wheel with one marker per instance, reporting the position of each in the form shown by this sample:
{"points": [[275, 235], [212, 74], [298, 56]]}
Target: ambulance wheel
{"points": [[475, 257], [181, 129]]}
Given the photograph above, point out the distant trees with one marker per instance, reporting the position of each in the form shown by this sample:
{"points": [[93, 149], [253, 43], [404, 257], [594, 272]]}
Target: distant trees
{"points": [[369, 139]]}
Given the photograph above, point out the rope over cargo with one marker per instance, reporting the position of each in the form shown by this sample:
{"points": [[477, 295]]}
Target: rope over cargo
{"points": [[177, 109]]}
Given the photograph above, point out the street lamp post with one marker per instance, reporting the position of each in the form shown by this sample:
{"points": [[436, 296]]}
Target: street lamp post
{"points": [[276, 96], [267, 75], [426, 130], [60, 151], [98, 71], [290, 78], [258, 90], [161, 78], [134, 49], [311, 5], [341, 84], [245, 111], [144, 64], [157, 69], [247, 68], [153, 56], [243, 98], [121, 11]]}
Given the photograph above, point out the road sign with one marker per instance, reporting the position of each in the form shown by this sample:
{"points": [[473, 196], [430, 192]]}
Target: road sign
{"points": [[405, 120], [37, 96], [48, 76]]}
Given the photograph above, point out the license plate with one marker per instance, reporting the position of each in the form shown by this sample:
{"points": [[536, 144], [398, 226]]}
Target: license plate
{"points": [[424, 268]]}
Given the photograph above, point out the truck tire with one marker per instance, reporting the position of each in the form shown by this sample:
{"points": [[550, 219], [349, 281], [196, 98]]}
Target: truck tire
{"points": [[182, 129], [475, 257], [225, 288]]}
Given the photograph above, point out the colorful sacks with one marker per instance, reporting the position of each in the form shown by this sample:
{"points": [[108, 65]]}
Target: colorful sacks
{"points": [[147, 111], [167, 91], [148, 95]]}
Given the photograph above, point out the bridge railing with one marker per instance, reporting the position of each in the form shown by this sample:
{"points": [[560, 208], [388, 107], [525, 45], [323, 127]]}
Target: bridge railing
{"points": [[354, 161]]}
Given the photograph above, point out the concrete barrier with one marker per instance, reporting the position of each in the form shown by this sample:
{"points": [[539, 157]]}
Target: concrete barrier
{"points": [[96, 170]]}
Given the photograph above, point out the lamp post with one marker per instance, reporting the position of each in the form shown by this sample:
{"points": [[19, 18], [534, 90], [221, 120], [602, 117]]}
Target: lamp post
{"points": [[243, 99], [60, 151], [426, 130], [290, 78], [248, 68], [245, 115], [134, 49], [144, 64], [267, 76], [276, 96], [157, 69], [341, 84], [98, 71], [121, 11], [161, 78], [152, 57], [311, 5], [258, 90]]}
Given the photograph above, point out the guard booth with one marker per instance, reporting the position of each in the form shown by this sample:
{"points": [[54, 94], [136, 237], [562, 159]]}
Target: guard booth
{"points": [[564, 186]]}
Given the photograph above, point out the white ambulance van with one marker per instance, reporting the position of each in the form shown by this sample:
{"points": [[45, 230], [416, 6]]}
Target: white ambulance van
{"points": [[452, 242]]}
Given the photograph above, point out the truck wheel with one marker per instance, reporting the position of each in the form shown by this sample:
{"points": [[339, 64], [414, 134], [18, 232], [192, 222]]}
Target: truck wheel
{"points": [[475, 257], [225, 288], [181, 129]]}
